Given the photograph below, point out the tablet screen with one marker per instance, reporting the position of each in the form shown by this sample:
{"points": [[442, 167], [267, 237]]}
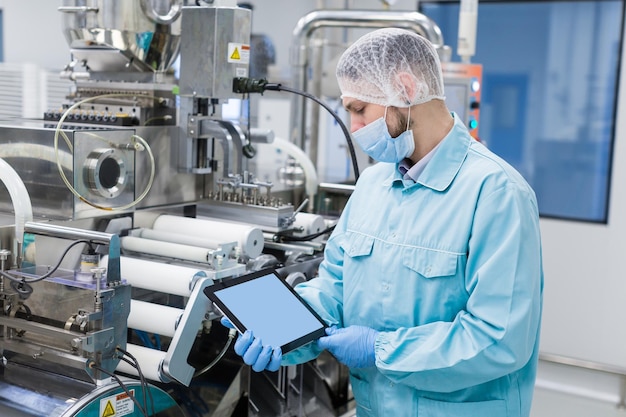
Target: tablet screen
{"points": [[264, 303]]}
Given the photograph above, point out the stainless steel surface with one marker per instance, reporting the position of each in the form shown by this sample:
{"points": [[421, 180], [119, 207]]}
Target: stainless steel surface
{"points": [[28, 145], [61, 317], [123, 36], [268, 218], [216, 44], [110, 241], [175, 364], [28, 392], [122, 103], [48, 229], [171, 187], [315, 20], [228, 135], [66, 321], [161, 11]]}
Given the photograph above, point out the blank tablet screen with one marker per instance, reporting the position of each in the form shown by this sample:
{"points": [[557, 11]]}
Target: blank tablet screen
{"points": [[265, 304]]}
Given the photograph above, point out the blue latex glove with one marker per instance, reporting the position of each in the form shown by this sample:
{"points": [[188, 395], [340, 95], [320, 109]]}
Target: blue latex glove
{"points": [[353, 346], [251, 349]]}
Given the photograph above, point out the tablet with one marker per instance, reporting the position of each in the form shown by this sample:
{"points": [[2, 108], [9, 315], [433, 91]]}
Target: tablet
{"points": [[267, 305]]}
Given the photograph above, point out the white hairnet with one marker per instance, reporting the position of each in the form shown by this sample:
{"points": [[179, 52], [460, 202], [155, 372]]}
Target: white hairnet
{"points": [[380, 66]]}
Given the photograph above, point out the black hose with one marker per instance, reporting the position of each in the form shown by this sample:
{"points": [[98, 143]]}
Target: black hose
{"points": [[250, 85]]}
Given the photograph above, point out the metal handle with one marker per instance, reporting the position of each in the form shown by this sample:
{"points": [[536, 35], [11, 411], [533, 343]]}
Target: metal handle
{"points": [[167, 19], [78, 9]]}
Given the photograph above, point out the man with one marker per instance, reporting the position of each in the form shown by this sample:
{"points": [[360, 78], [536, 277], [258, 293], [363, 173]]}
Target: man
{"points": [[432, 279]]}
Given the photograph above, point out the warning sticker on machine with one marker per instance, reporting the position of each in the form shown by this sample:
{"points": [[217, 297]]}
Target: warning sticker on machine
{"points": [[117, 405], [238, 53]]}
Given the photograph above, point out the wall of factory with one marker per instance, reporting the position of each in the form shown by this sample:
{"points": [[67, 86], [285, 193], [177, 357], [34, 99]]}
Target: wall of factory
{"points": [[32, 33]]}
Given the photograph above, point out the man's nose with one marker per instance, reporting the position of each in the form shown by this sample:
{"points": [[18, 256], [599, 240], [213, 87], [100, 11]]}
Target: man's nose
{"points": [[355, 125]]}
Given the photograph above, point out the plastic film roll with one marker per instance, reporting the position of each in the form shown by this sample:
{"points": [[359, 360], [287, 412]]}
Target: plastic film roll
{"points": [[248, 237], [157, 276], [143, 316], [165, 249], [149, 362]]}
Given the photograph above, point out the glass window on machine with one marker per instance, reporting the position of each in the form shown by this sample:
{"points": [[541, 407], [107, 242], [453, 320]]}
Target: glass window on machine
{"points": [[549, 87]]}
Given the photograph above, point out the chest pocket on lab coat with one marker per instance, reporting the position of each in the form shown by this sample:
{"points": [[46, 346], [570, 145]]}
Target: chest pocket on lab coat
{"points": [[358, 249], [358, 245], [433, 280], [429, 263]]}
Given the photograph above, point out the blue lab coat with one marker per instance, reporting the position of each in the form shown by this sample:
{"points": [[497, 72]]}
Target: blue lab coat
{"points": [[448, 270]]}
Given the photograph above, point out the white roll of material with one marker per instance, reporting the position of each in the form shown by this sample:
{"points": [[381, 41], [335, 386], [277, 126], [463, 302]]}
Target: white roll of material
{"points": [[310, 223], [157, 276], [153, 318], [149, 361], [179, 238], [165, 249], [248, 237]]}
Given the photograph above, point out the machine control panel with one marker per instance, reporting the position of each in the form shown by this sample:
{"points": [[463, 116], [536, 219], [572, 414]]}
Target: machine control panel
{"points": [[462, 87]]}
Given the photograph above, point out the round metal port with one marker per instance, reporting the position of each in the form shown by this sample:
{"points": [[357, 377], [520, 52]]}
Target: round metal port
{"points": [[105, 172]]}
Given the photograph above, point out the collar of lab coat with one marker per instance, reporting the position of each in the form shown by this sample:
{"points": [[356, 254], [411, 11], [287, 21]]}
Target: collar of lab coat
{"points": [[446, 162]]}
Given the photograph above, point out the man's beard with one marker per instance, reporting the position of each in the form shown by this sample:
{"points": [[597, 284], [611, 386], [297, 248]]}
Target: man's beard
{"points": [[399, 123]]}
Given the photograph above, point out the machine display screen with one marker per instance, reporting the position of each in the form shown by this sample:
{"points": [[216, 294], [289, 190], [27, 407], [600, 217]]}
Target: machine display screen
{"points": [[265, 304]]}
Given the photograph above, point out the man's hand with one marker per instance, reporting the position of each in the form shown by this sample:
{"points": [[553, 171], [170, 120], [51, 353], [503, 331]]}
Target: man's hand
{"points": [[251, 349], [353, 346]]}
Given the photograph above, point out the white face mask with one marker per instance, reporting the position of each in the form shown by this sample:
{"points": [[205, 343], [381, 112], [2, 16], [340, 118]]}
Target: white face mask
{"points": [[376, 141]]}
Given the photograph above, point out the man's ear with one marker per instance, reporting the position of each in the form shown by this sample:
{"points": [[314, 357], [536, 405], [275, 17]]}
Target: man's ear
{"points": [[406, 86]]}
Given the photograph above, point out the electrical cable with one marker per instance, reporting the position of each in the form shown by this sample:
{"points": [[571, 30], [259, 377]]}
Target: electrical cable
{"points": [[153, 119], [247, 149], [51, 271], [132, 361], [137, 146], [231, 335], [121, 384], [250, 85], [290, 238], [346, 132], [142, 381]]}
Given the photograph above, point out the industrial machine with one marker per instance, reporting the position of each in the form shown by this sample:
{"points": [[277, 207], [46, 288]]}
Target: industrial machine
{"points": [[130, 199]]}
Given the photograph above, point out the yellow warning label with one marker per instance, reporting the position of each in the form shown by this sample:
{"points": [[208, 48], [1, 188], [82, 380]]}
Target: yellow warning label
{"points": [[117, 405], [238, 53], [108, 410]]}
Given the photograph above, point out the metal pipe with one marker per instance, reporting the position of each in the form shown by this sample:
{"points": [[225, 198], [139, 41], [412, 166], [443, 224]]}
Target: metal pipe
{"points": [[52, 230], [583, 364], [231, 137], [312, 21], [618, 371]]}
